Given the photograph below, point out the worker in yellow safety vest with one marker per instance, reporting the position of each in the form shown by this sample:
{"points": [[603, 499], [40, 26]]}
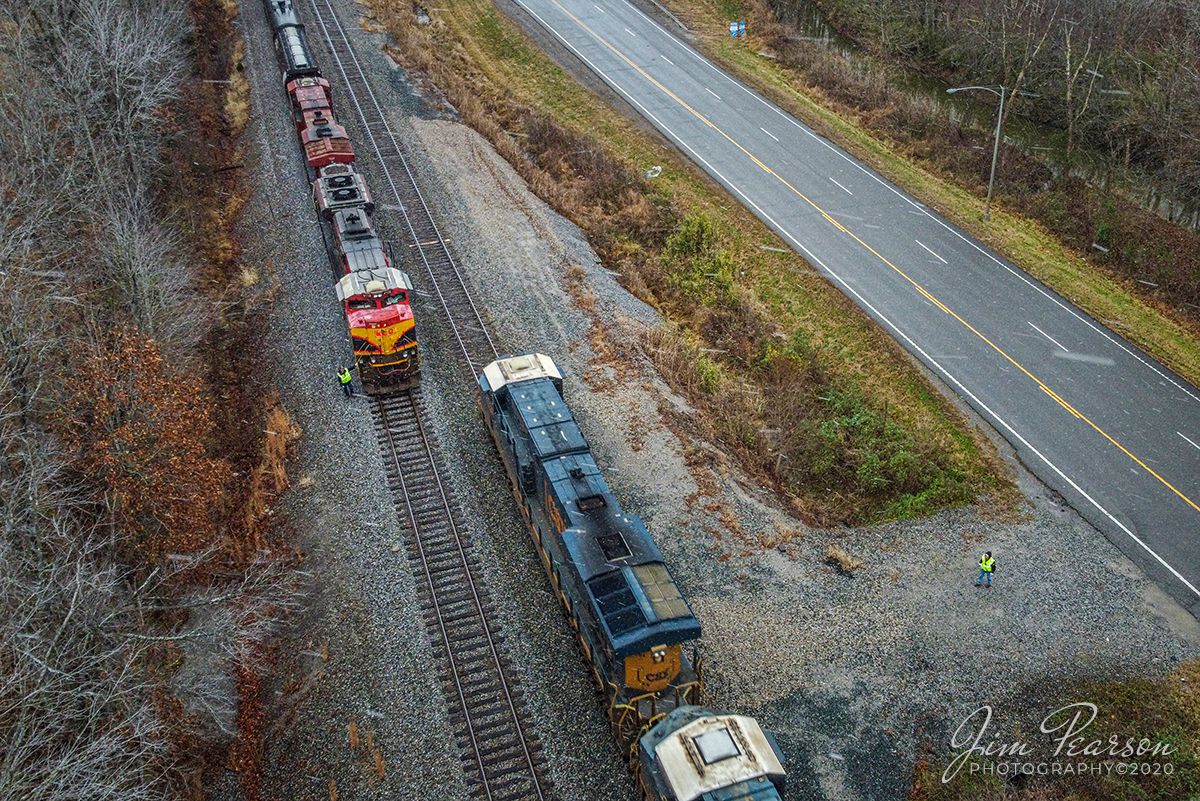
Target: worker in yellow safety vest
{"points": [[987, 566], [345, 377]]}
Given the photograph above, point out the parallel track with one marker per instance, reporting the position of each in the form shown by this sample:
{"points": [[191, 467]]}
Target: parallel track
{"points": [[424, 239], [501, 755], [501, 758]]}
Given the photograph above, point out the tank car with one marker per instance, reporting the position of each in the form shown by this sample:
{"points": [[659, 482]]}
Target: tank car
{"points": [[695, 754], [290, 40], [630, 616]]}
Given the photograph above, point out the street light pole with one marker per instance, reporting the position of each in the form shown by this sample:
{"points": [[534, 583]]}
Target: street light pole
{"points": [[987, 206]]}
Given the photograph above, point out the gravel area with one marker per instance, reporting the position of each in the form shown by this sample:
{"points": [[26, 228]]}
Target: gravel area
{"points": [[852, 672]]}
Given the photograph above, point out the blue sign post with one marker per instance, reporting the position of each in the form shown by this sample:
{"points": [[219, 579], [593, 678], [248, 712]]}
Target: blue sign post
{"points": [[737, 28], [742, 28], [733, 29]]}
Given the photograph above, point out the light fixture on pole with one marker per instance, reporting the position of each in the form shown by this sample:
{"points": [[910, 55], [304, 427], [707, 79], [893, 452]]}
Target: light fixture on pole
{"points": [[987, 206]]}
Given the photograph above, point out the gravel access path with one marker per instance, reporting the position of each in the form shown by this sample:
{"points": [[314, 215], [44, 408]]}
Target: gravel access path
{"points": [[852, 672]]}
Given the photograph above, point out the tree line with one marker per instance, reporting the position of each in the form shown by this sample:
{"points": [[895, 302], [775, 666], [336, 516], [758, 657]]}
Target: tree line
{"points": [[1118, 81], [1120, 78], [130, 603]]}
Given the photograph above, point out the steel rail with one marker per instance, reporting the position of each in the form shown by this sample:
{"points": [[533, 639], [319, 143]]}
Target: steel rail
{"points": [[406, 406]]}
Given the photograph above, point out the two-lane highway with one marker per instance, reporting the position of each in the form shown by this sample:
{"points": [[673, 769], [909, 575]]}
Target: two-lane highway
{"points": [[1113, 431]]}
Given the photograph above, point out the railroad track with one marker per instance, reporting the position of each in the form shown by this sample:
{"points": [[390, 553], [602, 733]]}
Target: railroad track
{"points": [[425, 242], [501, 755]]}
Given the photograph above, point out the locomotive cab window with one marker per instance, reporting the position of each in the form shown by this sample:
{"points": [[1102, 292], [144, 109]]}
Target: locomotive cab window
{"points": [[399, 297], [360, 303]]}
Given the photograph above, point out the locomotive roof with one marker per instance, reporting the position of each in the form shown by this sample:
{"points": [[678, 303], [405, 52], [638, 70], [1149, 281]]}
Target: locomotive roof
{"points": [[633, 592], [545, 415], [522, 367], [358, 281], [698, 752]]}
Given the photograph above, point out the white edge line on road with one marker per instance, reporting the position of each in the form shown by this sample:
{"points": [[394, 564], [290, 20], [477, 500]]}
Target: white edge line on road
{"points": [[664, 58], [936, 256], [809, 254], [847, 191], [1052, 339], [631, 33], [711, 92], [912, 201], [1194, 445], [768, 133]]}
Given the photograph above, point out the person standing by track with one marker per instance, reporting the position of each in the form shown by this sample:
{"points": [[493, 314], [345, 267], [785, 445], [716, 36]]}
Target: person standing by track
{"points": [[346, 377]]}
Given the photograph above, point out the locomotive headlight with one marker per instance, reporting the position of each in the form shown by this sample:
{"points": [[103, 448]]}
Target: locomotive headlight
{"points": [[659, 653]]}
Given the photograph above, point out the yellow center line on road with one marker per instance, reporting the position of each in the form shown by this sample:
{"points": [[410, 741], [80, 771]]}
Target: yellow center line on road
{"points": [[1075, 412]]}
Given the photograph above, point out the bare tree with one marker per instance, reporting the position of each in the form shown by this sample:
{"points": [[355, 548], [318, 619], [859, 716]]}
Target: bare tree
{"points": [[77, 713], [1075, 66], [144, 261]]}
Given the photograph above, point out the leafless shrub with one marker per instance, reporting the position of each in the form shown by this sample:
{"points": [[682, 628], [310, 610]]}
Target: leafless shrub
{"points": [[145, 262], [125, 66], [228, 627], [77, 712]]}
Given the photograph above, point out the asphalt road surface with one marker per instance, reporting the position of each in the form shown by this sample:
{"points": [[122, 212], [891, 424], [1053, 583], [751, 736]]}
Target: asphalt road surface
{"points": [[1116, 433]]}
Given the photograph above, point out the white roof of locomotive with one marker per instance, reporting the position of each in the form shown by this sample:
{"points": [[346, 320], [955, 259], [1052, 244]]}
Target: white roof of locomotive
{"points": [[514, 369], [715, 752], [360, 282]]}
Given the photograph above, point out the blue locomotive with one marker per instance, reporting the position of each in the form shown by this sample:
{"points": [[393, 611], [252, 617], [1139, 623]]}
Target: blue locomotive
{"points": [[631, 618]]}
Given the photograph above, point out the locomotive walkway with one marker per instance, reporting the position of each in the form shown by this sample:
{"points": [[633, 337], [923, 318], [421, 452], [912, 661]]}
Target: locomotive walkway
{"points": [[1117, 434]]}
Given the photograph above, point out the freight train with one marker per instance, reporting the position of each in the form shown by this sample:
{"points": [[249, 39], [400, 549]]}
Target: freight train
{"points": [[375, 296], [627, 611]]}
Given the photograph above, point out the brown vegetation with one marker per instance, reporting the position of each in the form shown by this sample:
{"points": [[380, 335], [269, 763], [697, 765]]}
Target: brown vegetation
{"points": [[138, 583], [837, 555], [1165, 710]]}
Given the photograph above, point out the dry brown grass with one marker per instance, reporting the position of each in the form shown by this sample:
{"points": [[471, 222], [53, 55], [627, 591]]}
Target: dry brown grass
{"points": [[846, 563], [268, 479], [237, 96]]}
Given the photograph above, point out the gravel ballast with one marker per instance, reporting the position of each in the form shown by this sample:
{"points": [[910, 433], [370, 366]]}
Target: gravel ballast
{"points": [[852, 672]]}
